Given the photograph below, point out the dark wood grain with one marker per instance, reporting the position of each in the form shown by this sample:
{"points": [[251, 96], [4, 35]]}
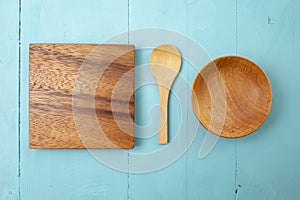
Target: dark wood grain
{"points": [[53, 70]]}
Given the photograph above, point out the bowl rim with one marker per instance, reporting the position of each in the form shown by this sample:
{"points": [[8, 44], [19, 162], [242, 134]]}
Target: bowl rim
{"points": [[262, 72]]}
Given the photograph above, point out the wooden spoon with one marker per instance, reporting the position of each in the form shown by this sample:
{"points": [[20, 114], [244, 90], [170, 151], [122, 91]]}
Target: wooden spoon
{"points": [[165, 62]]}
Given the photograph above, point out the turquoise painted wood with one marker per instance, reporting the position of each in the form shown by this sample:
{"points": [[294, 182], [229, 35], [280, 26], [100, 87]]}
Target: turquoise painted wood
{"points": [[9, 109], [263, 165], [167, 183], [268, 160], [212, 24], [66, 174], [189, 177]]}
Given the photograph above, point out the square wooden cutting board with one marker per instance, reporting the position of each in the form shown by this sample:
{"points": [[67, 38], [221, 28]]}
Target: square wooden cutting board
{"points": [[62, 86]]}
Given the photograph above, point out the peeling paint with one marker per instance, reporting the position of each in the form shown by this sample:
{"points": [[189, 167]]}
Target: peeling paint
{"points": [[269, 21]]}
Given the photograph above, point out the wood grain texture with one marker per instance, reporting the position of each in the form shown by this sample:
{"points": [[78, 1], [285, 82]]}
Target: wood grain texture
{"points": [[56, 174], [272, 46], [233, 91], [53, 70], [165, 63]]}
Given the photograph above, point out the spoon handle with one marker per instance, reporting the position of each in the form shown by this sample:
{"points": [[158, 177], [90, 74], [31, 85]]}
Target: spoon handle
{"points": [[163, 125]]}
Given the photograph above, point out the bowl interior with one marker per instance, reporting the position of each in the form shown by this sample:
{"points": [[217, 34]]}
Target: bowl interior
{"points": [[231, 96]]}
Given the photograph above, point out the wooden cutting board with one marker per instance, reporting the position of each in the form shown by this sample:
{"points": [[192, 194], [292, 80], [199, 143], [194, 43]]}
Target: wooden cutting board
{"points": [[54, 70]]}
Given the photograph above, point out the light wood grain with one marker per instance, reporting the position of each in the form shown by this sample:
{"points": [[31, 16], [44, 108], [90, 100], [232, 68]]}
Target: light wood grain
{"points": [[231, 96], [165, 62], [53, 70]]}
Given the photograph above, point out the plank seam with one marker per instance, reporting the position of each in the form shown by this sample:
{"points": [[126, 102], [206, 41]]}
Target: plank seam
{"points": [[293, 31], [236, 141], [128, 27], [186, 164], [19, 104], [236, 25], [236, 171], [128, 155]]}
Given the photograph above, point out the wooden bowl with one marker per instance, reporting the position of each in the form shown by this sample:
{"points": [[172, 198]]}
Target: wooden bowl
{"points": [[231, 96]]}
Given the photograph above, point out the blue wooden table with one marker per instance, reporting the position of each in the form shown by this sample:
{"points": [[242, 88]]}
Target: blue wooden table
{"points": [[263, 165]]}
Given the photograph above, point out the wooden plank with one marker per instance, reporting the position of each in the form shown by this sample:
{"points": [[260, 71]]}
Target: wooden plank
{"points": [[212, 25], [188, 177], [268, 161], [66, 174], [54, 69], [169, 182], [9, 112], [57, 174]]}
